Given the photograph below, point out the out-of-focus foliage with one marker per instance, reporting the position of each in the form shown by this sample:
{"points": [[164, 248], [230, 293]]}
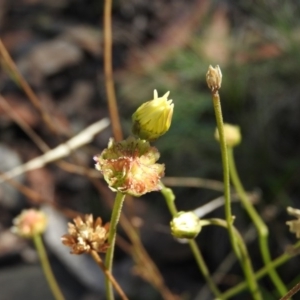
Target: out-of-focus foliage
{"points": [[257, 48]]}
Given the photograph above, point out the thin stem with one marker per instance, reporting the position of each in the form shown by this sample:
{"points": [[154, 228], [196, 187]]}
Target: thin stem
{"points": [[25, 127], [108, 73], [57, 294], [240, 249], [20, 80], [261, 227], [247, 265], [194, 182], [262, 272], [170, 200], [137, 250], [144, 261], [228, 215], [204, 269], [108, 274], [112, 240], [291, 292]]}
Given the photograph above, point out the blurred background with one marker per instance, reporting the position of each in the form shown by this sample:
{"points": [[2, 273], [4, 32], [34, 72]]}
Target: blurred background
{"points": [[165, 45]]}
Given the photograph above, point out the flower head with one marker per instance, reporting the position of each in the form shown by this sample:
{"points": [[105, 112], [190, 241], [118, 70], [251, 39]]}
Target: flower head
{"points": [[294, 224], [185, 225], [153, 118], [29, 223], [129, 166], [85, 235], [232, 135], [214, 78]]}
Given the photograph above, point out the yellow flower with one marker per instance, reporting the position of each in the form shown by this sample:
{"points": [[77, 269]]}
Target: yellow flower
{"points": [[232, 134], [129, 166], [29, 223], [86, 235], [153, 118], [185, 225]]}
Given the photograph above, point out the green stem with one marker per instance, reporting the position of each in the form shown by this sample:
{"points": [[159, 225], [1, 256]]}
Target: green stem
{"points": [[261, 227], [228, 215], [37, 239], [112, 240], [247, 265], [170, 200], [262, 272], [229, 218]]}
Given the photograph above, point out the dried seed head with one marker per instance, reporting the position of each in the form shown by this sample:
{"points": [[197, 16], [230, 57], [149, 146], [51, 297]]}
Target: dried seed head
{"points": [[153, 118], [29, 223], [232, 135], [185, 225], [85, 235], [214, 78], [129, 166]]}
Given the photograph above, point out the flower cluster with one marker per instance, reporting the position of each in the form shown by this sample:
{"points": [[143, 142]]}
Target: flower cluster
{"points": [[29, 223], [86, 235], [129, 166]]}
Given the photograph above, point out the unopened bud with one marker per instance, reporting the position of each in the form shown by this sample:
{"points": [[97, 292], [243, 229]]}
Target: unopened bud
{"points": [[153, 118], [214, 78], [185, 225], [232, 134]]}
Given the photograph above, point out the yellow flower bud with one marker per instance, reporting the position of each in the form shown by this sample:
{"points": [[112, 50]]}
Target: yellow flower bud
{"points": [[214, 78], [185, 225], [153, 118], [29, 223], [232, 134]]}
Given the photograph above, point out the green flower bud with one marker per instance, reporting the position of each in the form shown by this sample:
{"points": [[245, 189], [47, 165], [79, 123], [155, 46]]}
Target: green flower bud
{"points": [[129, 166], [153, 118], [29, 223], [185, 225], [232, 135], [214, 78]]}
